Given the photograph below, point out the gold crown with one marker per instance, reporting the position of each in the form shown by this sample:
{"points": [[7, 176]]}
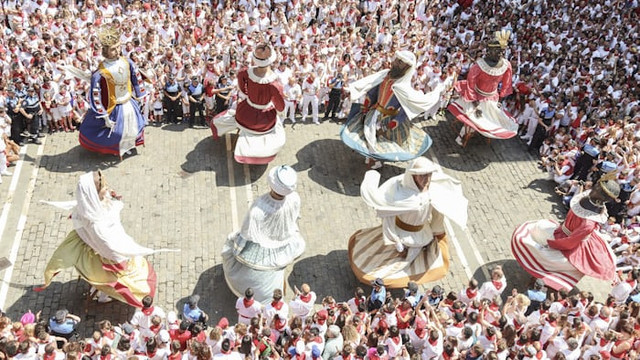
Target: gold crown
{"points": [[109, 35], [503, 37]]}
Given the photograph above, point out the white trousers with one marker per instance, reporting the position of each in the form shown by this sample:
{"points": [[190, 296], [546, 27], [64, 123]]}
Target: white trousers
{"points": [[313, 99], [290, 111]]}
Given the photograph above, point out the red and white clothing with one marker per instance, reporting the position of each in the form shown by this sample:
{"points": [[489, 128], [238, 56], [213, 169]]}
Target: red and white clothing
{"points": [[302, 304], [247, 308], [261, 136], [467, 295], [394, 346], [281, 309], [433, 348], [491, 289], [482, 85], [561, 255], [142, 317]]}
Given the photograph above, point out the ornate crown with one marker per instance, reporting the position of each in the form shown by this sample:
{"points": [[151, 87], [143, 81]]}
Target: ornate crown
{"points": [[502, 37], [109, 35]]}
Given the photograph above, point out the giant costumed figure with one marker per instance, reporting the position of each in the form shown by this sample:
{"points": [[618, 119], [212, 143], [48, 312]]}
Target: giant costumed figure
{"points": [[383, 129], [99, 248], [261, 135], [477, 104], [269, 240], [561, 254], [411, 243], [113, 123]]}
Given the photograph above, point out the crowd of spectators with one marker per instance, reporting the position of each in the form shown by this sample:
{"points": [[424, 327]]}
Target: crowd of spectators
{"points": [[576, 95], [470, 323]]}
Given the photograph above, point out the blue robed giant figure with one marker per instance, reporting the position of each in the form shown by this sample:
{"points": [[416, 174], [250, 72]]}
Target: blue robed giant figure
{"points": [[113, 124]]}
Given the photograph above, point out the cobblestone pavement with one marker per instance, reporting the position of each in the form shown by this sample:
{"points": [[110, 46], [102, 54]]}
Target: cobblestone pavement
{"points": [[183, 190]]}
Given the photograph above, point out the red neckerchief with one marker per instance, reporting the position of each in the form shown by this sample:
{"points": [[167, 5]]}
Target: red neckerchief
{"points": [[301, 356], [491, 338], [632, 282], [396, 340], [151, 354], [155, 328], [357, 300], [494, 307], [448, 302], [147, 311], [109, 334], [277, 304], [563, 302], [105, 357], [459, 324], [309, 80], [542, 312], [317, 339], [247, 303], [583, 302], [603, 342], [539, 355], [49, 356], [498, 284], [517, 325], [280, 324], [604, 318], [433, 342], [552, 323], [305, 298]]}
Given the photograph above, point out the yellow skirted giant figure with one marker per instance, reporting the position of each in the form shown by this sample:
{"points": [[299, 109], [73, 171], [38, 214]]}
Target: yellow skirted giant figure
{"points": [[99, 249]]}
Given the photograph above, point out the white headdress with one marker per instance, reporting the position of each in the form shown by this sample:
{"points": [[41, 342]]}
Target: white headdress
{"points": [[283, 180], [407, 57]]}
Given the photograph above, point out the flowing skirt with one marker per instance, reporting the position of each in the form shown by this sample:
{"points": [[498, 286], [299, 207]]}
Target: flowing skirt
{"points": [[251, 147], [403, 143], [240, 276], [371, 257], [127, 283], [495, 122], [127, 132], [529, 247]]}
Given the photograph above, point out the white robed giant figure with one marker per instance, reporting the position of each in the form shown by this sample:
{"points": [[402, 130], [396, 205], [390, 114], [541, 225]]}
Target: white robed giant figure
{"points": [[269, 240], [411, 243], [99, 247]]}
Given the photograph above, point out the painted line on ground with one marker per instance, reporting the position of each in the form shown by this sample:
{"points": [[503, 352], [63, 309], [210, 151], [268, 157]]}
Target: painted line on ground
{"points": [[232, 184], [464, 237], [247, 185], [13, 255], [12, 188]]}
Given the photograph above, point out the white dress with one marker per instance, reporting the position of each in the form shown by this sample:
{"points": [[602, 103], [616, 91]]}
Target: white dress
{"points": [[267, 243]]}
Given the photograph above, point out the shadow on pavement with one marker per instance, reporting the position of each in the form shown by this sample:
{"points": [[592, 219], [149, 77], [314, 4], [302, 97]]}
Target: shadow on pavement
{"points": [[478, 153], [80, 159], [326, 275], [334, 166], [517, 277], [548, 187], [71, 295], [214, 296], [179, 127], [211, 155]]}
